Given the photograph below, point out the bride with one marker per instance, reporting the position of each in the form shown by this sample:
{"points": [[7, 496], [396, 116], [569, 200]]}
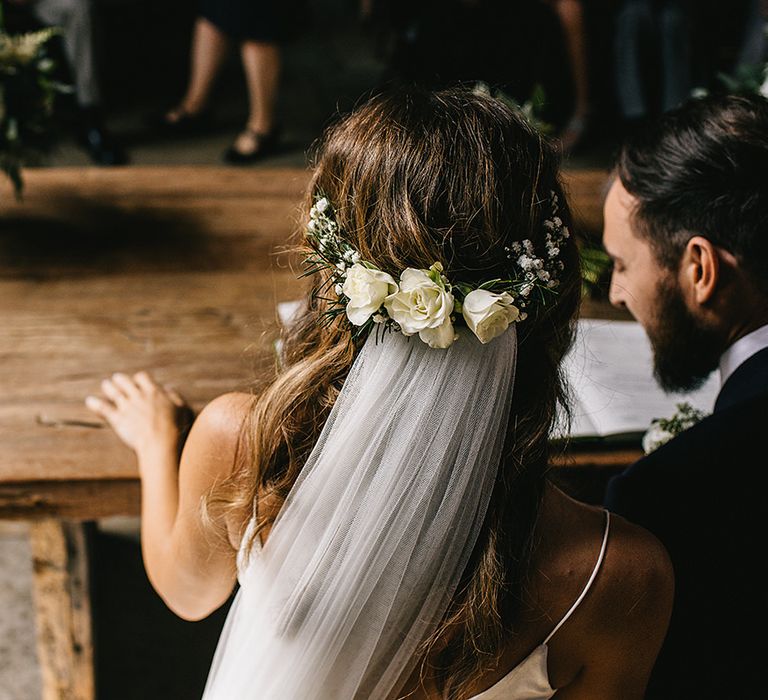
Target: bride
{"points": [[383, 501]]}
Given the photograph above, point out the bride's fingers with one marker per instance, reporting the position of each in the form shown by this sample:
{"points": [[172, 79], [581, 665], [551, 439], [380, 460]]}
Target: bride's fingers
{"points": [[174, 395], [112, 391], [144, 381], [103, 408], [125, 384]]}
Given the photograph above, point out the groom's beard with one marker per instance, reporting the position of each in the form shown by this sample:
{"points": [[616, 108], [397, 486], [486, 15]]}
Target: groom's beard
{"points": [[685, 351]]}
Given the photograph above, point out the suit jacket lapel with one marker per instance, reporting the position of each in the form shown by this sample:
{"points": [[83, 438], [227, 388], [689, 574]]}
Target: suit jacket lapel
{"points": [[749, 380]]}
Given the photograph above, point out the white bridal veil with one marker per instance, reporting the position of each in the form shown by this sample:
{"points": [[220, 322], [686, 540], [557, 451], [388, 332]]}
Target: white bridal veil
{"points": [[368, 549]]}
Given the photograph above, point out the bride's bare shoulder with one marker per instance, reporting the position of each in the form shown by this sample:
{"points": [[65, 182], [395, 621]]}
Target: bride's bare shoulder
{"points": [[225, 414], [636, 562], [626, 614], [216, 432]]}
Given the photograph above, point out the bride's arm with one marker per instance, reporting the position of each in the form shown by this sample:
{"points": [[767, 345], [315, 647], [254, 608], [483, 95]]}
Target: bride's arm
{"points": [[191, 568]]}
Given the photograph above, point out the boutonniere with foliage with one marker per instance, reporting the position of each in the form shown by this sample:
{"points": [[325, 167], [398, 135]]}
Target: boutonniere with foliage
{"points": [[662, 430], [27, 92]]}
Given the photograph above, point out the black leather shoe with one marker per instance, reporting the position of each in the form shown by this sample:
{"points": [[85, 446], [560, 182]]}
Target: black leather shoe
{"points": [[101, 148]]}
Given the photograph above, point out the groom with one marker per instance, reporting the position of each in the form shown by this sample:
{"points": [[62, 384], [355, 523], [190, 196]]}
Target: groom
{"points": [[686, 224]]}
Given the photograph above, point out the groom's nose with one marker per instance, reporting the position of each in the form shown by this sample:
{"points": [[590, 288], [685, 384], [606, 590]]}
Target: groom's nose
{"points": [[616, 293]]}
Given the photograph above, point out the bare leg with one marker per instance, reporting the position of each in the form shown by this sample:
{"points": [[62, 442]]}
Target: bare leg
{"points": [[209, 49], [261, 62], [571, 17]]}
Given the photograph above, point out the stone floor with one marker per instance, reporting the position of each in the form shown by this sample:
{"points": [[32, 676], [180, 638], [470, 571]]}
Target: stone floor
{"points": [[19, 675]]}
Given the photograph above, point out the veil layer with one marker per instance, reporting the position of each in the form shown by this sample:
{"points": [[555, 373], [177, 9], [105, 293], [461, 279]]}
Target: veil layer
{"points": [[370, 545]]}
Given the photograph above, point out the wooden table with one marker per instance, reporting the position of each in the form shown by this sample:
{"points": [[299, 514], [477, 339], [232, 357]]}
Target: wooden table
{"points": [[175, 269]]}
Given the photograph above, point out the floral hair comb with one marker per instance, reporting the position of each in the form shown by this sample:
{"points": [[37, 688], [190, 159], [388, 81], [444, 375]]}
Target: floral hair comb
{"points": [[425, 302]]}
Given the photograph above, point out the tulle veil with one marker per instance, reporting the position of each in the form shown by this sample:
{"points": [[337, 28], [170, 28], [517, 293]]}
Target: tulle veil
{"points": [[368, 549]]}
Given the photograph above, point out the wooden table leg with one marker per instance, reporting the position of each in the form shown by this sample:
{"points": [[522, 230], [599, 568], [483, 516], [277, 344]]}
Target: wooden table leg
{"points": [[60, 554]]}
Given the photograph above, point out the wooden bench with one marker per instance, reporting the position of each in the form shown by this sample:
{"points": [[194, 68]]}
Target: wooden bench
{"points": [[174, 269]]}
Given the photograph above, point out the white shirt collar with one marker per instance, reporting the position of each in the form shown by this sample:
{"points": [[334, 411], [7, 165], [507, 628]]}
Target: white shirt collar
{"points": [[741, 351]]}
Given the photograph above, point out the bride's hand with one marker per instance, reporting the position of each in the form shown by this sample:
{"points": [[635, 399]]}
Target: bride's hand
{"points": [[145, 415]]}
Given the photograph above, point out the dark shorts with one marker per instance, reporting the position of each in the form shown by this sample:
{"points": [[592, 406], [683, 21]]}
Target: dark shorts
{"points": [[255, 20]]}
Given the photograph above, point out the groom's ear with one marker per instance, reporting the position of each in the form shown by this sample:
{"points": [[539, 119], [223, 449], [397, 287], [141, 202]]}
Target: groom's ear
{"points": [[700, 269]]}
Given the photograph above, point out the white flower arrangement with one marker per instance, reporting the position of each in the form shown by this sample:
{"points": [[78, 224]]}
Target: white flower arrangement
{"points": [[662, 430], [425, 302]]}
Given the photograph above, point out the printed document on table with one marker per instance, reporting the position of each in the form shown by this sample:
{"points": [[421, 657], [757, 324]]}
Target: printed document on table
{"points": [[610, 372]]}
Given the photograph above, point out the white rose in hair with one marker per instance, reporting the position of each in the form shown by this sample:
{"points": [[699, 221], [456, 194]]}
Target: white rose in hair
{"points": [[366, 290], [423, 305], [487, 314]]}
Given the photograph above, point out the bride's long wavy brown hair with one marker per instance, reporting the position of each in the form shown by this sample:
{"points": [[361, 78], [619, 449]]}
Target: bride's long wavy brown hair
{"points": [[417, 177]]}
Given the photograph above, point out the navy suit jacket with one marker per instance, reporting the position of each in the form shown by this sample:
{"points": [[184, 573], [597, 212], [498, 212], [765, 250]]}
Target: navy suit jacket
{"points": [[701, 494]]}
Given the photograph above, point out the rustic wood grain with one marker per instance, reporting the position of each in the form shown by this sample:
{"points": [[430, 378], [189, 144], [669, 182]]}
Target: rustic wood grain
{"points": [[75, 500], [175, 270], [586, 190], [63, 609], [597, 459]]}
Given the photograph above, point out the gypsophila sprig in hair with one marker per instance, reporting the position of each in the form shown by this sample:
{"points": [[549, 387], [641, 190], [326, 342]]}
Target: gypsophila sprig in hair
{"points": [[425, 302]]}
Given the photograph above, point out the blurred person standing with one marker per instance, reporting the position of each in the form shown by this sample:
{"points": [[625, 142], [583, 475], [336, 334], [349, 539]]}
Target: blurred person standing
{"points": [[439, 43], [75, 19], [754, 46], [571, 16], [255, 26], [652, 49]]}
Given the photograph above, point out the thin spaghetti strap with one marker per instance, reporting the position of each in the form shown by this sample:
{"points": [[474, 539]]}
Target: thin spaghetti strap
{"points": [[592, 578]]}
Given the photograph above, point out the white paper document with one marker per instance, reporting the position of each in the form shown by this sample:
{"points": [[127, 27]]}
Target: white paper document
{"points": [[610, 372]]}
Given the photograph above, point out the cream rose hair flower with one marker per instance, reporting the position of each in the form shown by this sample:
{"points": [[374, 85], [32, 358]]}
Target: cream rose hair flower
{"points": [[488, 314], [366, 290], [423, 304]]}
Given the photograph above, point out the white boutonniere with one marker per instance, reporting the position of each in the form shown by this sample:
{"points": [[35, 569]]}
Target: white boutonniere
{"points": [[662, 430]]}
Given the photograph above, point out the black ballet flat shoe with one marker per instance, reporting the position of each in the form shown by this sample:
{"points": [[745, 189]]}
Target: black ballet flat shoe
{"points": [[265, 145]]}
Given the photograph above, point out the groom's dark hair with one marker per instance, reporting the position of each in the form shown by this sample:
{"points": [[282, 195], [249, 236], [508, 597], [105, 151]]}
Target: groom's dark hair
{"points": [[702, 169]]}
